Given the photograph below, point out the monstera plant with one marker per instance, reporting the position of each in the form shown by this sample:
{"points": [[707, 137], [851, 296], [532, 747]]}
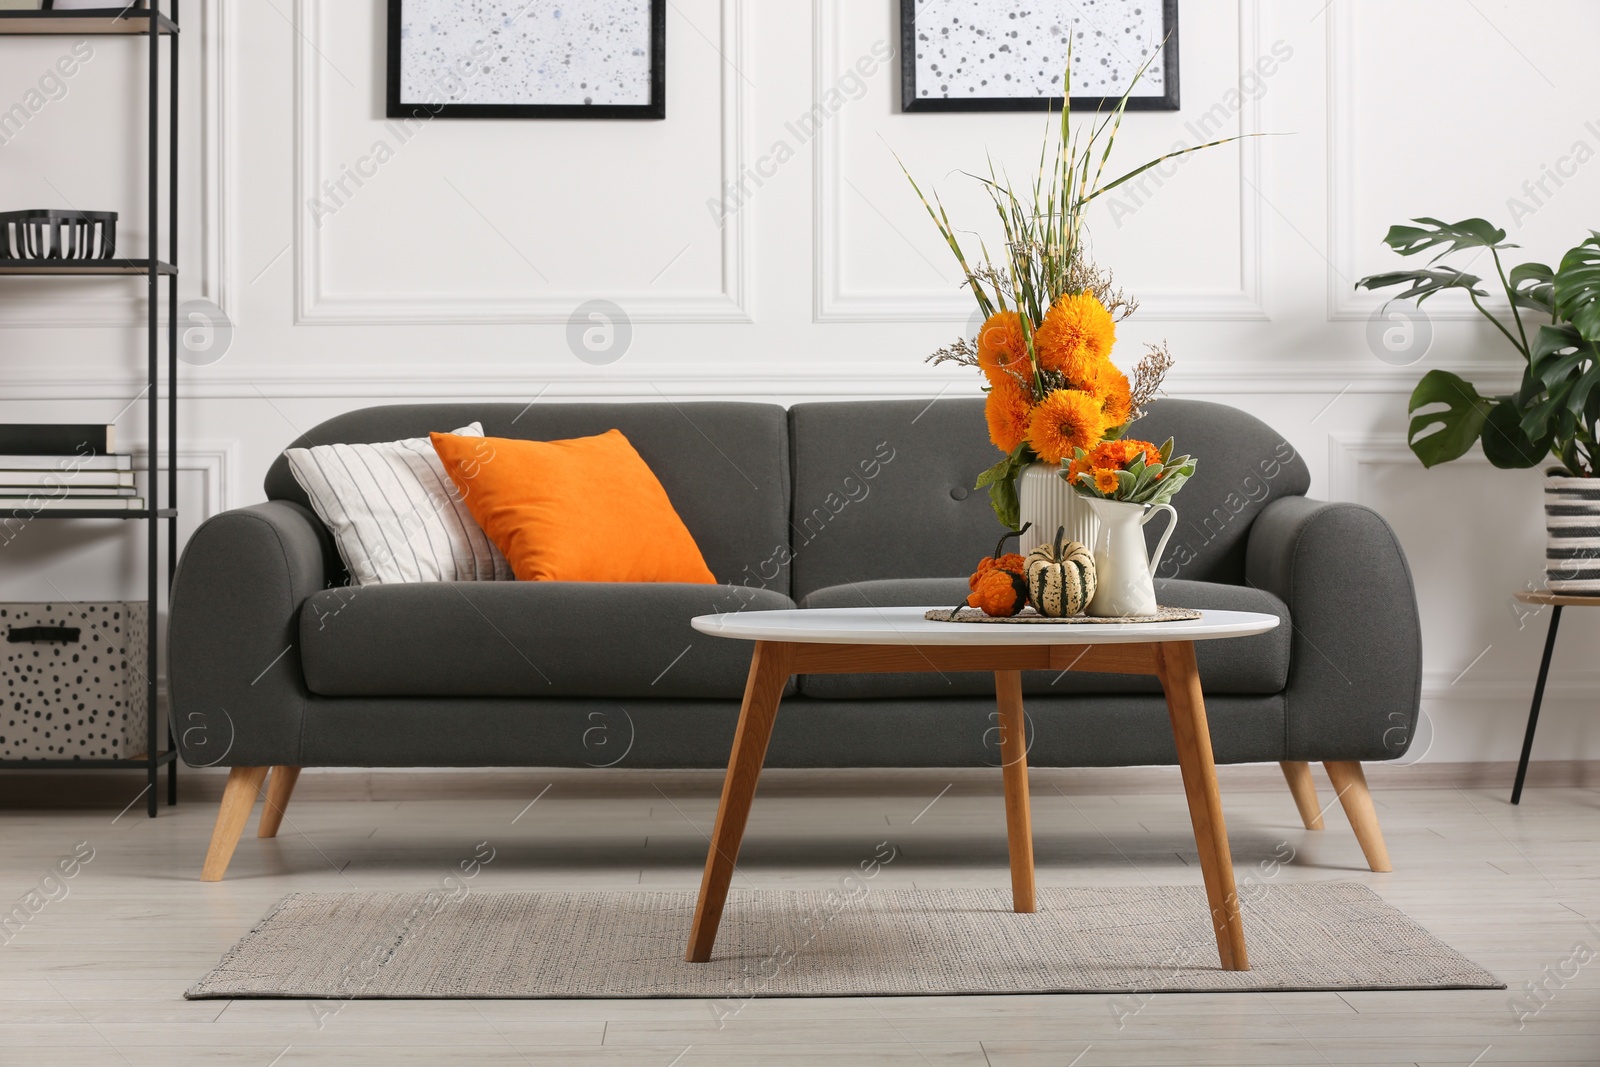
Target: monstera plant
{"points": [[1555, 327]]}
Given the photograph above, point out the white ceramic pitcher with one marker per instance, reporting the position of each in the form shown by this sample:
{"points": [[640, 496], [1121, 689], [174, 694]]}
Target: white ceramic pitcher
{"points": [[1123, 573]]}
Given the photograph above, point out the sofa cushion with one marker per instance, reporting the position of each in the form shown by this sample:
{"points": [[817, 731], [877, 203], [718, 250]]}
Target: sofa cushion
{"points": [[725, 466], [921, 518], [555, 639], [394, 514], [884, 490], [1240, 666], [582, 510]]}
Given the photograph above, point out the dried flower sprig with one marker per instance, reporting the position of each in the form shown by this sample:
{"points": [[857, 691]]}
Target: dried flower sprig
{"points": [[1148, 375], [961, 351]]}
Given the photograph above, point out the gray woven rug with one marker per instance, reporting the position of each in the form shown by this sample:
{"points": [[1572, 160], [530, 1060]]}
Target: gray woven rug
{"points": [[1337, 935]]}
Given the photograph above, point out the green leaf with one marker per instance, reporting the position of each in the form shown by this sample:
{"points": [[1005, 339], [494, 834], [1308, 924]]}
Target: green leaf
{"points": [[1002, 482], [1468, 233], [1556, 351], [994, 473], [1424, 283], [1578, 396], [1531, 287], [1536, 421], [1441, 436], [1003, 499], [1144, 477], [1504, 442], [1577, 288]]}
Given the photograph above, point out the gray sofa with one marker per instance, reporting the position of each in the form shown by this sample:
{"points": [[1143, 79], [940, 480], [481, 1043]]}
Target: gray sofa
{"points": [[275, 663]]}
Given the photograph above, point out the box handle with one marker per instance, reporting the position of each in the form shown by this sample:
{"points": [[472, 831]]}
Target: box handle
{"points": [[67, 635]]}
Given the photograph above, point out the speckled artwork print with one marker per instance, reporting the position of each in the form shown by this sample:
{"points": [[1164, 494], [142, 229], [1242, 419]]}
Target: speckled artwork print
{"points": [[573, 52], [973, 49]]}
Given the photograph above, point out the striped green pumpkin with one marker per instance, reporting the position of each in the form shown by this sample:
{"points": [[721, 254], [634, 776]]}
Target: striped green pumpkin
{"points": [[1060, 577]]}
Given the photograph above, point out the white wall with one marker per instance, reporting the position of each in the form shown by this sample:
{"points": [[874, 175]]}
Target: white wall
{"points": [[452, 271]]}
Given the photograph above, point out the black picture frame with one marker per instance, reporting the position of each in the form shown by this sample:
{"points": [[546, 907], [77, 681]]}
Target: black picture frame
{"points": [[395, 108], [909, 101]]}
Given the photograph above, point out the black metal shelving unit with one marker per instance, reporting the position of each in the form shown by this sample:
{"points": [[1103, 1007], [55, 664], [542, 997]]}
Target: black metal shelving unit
{"points": [[154, 26]]}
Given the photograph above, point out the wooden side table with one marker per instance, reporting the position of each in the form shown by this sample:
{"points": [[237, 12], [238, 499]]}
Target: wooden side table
{"points": [[1555, 601]]}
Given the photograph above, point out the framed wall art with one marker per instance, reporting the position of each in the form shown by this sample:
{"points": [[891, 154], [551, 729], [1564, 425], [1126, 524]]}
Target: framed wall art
{"points": [[994, 55], [577, 59]]}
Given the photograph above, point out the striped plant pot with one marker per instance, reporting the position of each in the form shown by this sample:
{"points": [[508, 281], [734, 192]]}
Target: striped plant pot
{"points": [[1572, 526], [1049, 503]]}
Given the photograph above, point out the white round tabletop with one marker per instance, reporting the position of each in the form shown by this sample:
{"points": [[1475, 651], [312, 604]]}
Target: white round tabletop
{"points": [[907, 626]]}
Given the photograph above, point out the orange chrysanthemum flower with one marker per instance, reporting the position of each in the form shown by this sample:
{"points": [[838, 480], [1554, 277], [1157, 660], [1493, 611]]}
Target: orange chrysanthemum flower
{"points": [[1110, 387], [1104, 460], [1132, 449], [1066, 420], [1007, 412], [1075, 337], [1003, 347]]}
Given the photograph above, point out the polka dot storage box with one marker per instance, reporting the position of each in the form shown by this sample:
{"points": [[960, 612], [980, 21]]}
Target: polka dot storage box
{"points": [[74, 680]]}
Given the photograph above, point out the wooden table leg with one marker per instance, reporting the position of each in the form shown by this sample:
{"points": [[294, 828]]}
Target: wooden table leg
{"points": [[1014, 769], [1192, 736], [769, 673]]}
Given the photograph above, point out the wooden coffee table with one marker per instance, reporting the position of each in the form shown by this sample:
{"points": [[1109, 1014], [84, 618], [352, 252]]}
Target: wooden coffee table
{"points": [[873, 640]]}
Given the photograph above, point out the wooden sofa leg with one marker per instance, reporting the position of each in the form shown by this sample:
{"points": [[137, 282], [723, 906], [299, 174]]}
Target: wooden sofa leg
{"points": [[1351, 783], [237, 800], [1304, 791], [280, 785]]}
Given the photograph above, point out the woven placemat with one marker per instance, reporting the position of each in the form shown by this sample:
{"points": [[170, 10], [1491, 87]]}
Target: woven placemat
{"points": [[1028, 615]]}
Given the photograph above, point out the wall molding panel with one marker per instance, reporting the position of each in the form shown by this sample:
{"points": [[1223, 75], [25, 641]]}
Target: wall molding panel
{"points": [[315, 304], [217, 464], [1349, 452], [1345, 302], [834, 303]]}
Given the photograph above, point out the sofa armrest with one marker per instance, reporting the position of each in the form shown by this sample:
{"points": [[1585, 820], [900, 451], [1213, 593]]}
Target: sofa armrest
{"points": [[1355, 662], [237, 692]]}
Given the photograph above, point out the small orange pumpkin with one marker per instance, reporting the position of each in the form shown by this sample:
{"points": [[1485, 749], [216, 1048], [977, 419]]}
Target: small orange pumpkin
{"points": [[999, 585]]}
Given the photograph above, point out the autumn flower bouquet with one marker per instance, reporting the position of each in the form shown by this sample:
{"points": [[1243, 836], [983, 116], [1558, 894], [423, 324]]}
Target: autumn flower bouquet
{"points": [[1134, 472], [1051, 315]]}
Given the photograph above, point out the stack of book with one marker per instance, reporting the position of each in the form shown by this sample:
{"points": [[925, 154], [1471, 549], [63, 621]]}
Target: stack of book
{"points": [[64, 467]]}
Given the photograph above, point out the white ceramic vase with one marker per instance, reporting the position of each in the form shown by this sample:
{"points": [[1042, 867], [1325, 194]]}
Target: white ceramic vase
{"points": [[1572, 534], [1049, 503], [1124, 573]]}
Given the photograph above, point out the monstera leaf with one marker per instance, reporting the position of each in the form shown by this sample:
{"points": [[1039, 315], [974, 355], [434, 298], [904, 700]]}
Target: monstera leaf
{"points": [[1505, 443], [1424, 283], [1441, 436], [1468, 233], [1447, 237], [1577, 288], [1533, 286], [1566, 370]]}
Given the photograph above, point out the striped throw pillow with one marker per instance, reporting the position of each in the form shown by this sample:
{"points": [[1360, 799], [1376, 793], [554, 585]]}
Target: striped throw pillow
{"points": [[394, 513]]}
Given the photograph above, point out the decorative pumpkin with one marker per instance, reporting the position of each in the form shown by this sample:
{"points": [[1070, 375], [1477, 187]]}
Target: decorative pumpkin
{"points": [[1060, 577], [998, 585]]}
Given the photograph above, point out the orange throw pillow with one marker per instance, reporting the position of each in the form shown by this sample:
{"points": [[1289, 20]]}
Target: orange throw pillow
{"points": [[585, 510]]}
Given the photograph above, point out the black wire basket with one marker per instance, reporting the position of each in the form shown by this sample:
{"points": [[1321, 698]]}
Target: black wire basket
{"points": [[68, 235]]}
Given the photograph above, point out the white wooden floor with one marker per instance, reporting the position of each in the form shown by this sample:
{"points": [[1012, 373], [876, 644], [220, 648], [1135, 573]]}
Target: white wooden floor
{"points": [[97, 975]]}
